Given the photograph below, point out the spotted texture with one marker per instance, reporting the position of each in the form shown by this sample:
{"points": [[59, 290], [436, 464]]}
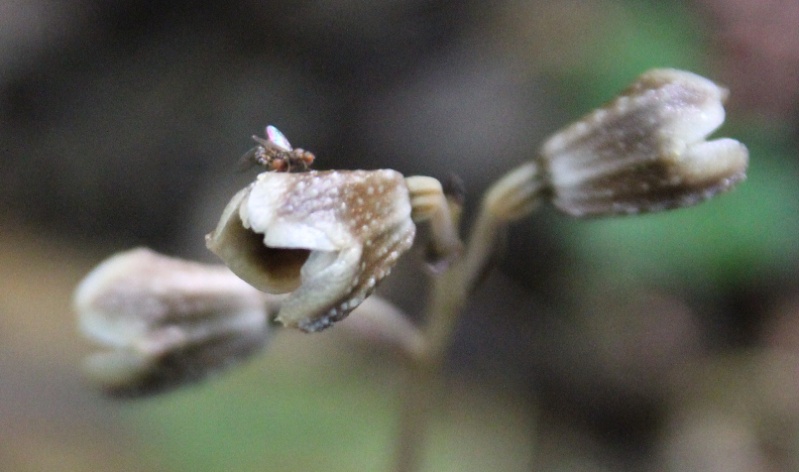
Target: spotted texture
{"points": [[352, 226], [646, 150]]}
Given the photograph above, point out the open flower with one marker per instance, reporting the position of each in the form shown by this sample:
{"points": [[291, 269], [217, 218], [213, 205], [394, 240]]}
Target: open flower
{"points": [[327, 237], [646, 150]]}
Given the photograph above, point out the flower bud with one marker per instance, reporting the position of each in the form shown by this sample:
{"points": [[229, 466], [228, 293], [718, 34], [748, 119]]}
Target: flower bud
{"points": [[430, 204], [646, 150], [166, 321], [328, 238]]}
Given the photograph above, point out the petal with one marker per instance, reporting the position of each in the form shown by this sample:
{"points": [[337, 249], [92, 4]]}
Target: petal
{"points": [[163, 322], [642, 151], [346, 229], [297, 211], [244, 252], [324, 295]]}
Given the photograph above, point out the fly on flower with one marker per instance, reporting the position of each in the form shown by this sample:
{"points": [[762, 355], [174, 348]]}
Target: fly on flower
{"points": [[275, 154]]}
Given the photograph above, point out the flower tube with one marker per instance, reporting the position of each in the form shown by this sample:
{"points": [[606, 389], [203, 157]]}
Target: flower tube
{"points": [[325, 238], [646, 150]]}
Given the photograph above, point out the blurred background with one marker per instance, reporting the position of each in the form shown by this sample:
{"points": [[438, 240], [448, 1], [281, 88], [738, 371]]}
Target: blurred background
{"points": [[666, 342]]}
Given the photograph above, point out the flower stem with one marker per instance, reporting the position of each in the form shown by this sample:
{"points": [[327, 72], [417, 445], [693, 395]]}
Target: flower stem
{"points": [[512, 197]]}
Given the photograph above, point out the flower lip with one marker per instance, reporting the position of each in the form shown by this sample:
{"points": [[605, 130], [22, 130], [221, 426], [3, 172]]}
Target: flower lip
{"points": [[269, 269], [326, 237], [646, 150]]}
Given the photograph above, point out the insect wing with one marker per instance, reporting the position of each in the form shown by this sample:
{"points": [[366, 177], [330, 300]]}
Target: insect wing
{"points": [[277, 138], [248, 160]]}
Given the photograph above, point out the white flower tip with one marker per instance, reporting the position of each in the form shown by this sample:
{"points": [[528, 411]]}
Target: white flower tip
{"points": [[646, 150], [102, 291], [721, 162]]}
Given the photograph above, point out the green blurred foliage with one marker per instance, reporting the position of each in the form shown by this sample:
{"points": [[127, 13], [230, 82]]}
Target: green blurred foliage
{"points": [[270, 419], [317, 414], [645, 35]]}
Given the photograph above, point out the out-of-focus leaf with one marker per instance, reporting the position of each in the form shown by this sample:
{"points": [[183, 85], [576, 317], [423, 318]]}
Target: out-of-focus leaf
{"points": [[288, 412], [648, 35]]}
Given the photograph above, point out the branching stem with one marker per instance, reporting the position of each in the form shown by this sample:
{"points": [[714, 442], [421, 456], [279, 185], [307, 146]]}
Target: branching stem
{"points": [[513, 197]]}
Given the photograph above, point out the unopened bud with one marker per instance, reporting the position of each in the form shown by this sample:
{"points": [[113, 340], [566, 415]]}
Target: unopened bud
{"points": [[646, 150], [165, 322]]}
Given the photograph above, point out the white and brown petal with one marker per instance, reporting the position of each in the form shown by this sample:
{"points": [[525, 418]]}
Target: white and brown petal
{"points": [[327, 237], [646, 150], [163, 322]]}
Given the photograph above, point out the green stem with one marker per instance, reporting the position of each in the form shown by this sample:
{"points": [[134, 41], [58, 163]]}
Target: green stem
{"points": [[421, 393], [512, 197]]}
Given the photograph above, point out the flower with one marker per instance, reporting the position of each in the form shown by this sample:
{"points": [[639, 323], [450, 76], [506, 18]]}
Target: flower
{"points": [[646, 150], [165, 321], [325, 238]]}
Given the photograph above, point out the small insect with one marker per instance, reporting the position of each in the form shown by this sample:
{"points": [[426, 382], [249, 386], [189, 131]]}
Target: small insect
{"points": [[275, 154]]}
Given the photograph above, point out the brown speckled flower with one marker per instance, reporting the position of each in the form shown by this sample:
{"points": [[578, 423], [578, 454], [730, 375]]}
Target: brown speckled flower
{"points": [[646, 150], [163, 322], [327, 237]]}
